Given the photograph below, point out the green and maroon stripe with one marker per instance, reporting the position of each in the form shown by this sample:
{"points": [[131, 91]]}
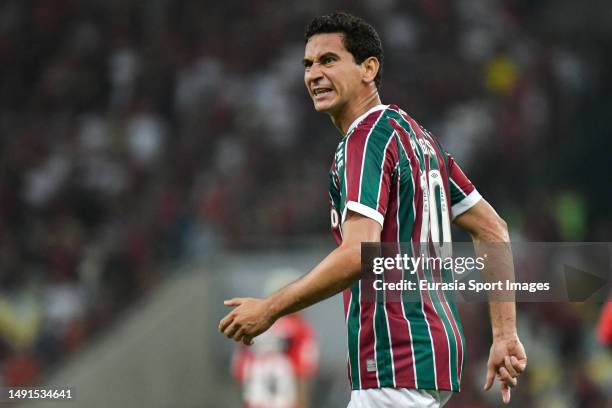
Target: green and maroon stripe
{"points": [[437, 324], [447, 304], [397, 343], [354, 158], [448, 318], [361, 313], [399, 326], [421, 315]]}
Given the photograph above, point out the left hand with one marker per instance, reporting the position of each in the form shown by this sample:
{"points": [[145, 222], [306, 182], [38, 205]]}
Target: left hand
{"points": [[508, 360], [250, 318]]}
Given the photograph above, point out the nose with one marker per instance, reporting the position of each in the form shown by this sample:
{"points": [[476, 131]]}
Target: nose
{"points": [[312, 75]]}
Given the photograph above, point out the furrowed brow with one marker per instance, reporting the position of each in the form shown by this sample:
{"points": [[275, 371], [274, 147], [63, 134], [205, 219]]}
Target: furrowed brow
{"points": [[308, 62], [329, 55]]}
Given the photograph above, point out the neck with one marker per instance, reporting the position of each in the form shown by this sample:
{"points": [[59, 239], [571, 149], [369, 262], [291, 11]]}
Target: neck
{"points": [[343, 119]]}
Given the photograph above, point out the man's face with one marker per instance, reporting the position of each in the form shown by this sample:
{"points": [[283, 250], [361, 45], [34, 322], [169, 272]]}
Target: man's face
{"points": [[331, 75]]}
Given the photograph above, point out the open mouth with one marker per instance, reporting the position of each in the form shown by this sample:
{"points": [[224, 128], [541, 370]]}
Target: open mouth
{"points": [[321, 91]]}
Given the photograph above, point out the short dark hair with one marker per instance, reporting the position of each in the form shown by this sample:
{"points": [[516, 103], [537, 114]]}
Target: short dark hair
{"points": [[360, 38]]}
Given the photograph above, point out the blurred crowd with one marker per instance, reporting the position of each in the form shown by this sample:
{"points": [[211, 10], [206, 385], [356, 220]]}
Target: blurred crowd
{"points": [[134, 135]]}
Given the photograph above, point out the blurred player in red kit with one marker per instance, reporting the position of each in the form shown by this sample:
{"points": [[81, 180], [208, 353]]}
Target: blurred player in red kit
{"points": [[604, 329], [275, 371]]}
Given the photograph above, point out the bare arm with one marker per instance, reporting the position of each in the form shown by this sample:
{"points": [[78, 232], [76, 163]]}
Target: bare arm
{"points": [[336, 272], [490, 234], [486, 227]]}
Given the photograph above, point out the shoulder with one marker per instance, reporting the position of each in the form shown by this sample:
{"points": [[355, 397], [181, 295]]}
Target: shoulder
{"points": [[396, 115], [375, 128]]}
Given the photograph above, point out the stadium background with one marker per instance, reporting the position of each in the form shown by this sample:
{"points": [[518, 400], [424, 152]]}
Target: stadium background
{"points": [[158, 156]]}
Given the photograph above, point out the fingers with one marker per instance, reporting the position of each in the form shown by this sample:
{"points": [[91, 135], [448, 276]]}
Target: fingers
{"points": [[235, 332], [510, 367], [239, 324], [233, 302], [505, 392], [225, 322], [505, 382], [519, 365], [231, 330], [238, 335], [490, 378], [506, 378]]}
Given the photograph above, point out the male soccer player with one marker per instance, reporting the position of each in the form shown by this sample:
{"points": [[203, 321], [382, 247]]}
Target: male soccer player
{"points": [[387, 178]]}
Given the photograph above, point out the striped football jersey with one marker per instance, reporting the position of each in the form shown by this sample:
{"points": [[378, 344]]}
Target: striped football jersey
{"points": [[392, 170]]}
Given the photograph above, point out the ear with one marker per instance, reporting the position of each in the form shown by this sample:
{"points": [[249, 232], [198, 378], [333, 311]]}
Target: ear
{"points": [[370, 67]]}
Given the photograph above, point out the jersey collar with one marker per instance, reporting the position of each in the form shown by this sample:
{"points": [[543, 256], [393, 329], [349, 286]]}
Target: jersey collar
{"points": [[362, 117]]}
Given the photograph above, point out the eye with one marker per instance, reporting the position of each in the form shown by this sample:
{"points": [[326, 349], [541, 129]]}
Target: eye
{"points": [[327, 60]]}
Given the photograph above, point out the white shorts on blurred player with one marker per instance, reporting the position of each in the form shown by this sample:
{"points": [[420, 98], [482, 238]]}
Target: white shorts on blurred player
{"points": [[398, 398]]}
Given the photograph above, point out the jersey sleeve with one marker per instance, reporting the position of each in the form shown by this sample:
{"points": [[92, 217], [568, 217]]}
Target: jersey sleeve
{"points": [[371, 153], [463, 193]]}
